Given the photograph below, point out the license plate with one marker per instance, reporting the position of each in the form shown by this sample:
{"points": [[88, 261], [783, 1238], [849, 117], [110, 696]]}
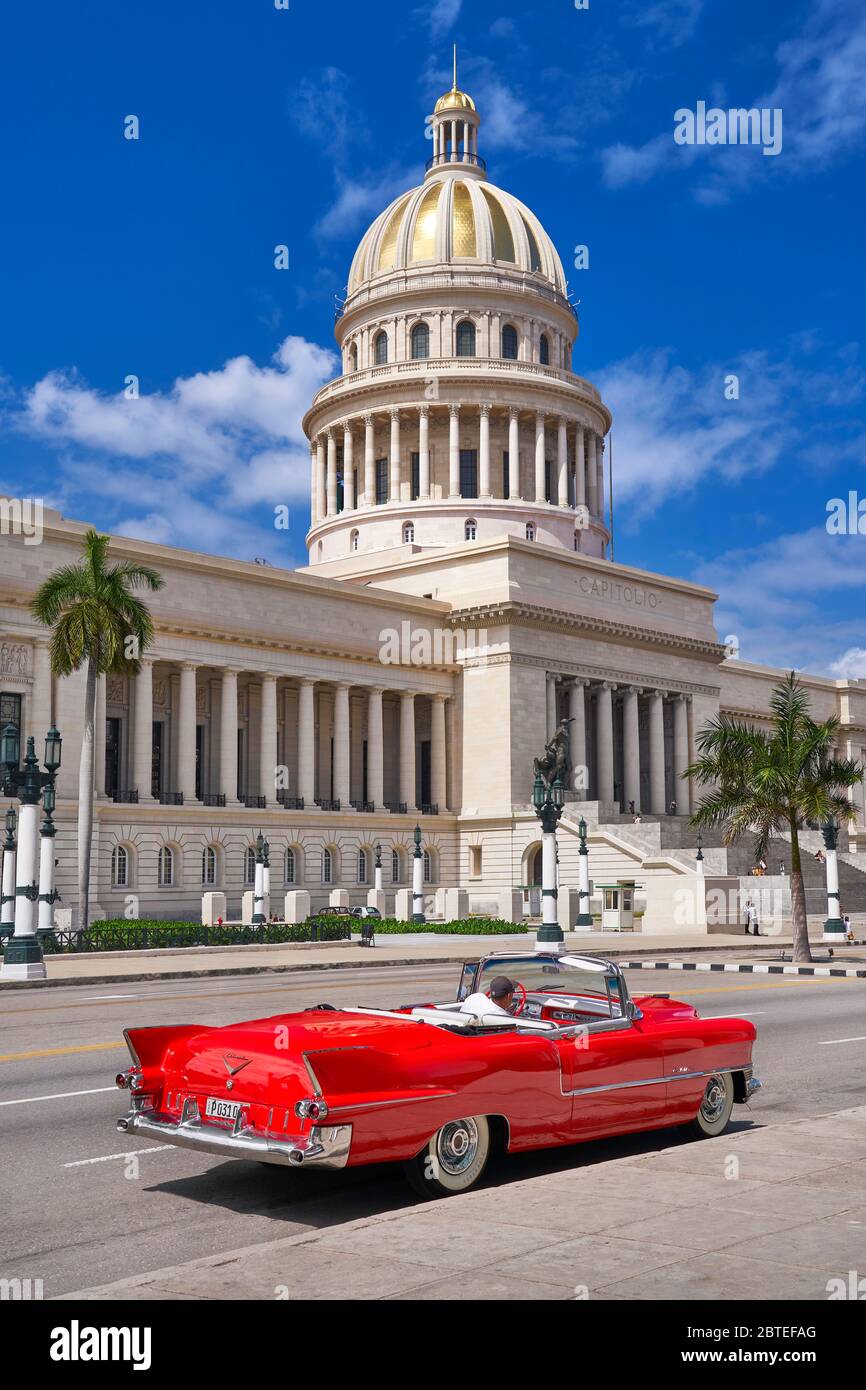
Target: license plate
{"points": [[216, 1109]]}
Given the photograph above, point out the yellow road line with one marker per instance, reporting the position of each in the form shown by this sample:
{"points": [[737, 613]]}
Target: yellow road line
{"points": [[60, 1051]]}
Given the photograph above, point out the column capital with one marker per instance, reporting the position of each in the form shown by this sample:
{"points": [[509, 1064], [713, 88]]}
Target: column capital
{"points": [[347, 427], [367, 417], [440, 696], [579, 680], [632, 689], [424, 410], [188, 665], [661, 694], [485, 408], [329, 434], [307, 680], [394, 412], [607, 685], [375, 689], [453, 410], [513, 412], [267, 676]]}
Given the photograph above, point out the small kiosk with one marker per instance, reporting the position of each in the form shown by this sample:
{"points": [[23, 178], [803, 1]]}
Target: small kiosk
{"points": [[617, 905]]}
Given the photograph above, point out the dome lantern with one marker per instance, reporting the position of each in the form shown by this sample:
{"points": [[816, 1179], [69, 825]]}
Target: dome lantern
{"points": [[454, 126]]}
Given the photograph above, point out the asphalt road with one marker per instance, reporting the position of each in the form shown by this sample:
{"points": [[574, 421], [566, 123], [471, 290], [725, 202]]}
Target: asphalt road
{"points": [[84, 1205]]}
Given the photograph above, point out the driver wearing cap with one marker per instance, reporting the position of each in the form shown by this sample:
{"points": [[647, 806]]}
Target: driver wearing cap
{"points": [[499, 1000]]}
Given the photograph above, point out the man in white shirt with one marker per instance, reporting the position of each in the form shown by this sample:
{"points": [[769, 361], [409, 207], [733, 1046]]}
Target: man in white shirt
{"points": [[500, 999]]}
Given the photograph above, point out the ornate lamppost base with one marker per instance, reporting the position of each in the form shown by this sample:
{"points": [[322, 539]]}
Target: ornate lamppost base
{"points": [[22, 960], [834, 930], [584, 919]]}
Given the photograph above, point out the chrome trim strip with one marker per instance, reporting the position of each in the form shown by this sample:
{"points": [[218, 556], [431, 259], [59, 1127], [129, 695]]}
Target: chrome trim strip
{"points": [[327, 1146], [651, 1081], [402, 1100]]}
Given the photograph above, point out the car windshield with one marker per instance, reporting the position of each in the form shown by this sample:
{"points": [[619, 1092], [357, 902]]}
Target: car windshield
{"points": [[546, 979]]}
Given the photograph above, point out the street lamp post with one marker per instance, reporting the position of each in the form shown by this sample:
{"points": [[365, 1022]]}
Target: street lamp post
{"points": [[48, 894], [584, 916], [7, 901], [22, 957], [834, 927], [548, 801], [418, 879], [259, 887], [700, 855], [377, 872], [266, 876]]}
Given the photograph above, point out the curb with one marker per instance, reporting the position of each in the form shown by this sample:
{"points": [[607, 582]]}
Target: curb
{"points": [[728, 967]]}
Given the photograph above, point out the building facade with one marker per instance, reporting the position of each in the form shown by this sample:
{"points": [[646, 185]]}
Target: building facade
{"points": [[459, 601]]}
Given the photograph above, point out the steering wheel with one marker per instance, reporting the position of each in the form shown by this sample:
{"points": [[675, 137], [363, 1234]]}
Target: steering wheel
{"points": [[519, 1007]]}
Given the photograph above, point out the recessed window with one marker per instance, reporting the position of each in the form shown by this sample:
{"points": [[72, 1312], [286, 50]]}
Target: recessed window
{"points": [[327, 867], [544, 350], [577, 540], [428, 867], [250, 865], [380, 349], [381, 481], [408, 533], [290, 866], [165, 867], [208, 865], [395, 866], [475, 861], [470, 530], [119, 867], [420, 340], [362, 866], [465, 339], [509, 341], [353, 540], [530, 530], [353, 357]]}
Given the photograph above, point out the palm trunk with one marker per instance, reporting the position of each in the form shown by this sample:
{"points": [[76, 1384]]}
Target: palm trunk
{"points": [[85, 797], [801, 950]]}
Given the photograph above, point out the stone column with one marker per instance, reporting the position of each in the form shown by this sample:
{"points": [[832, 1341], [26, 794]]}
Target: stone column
{"points": [[577, 735], [599, 460], [631, 747], [375, 748], [37, 706], [562, 462], [657, 752], [424, 453], [438, 773], [314, 501], [681, 754], [580, 467], [142, 731], [369, 462], [407, 749], [321, 478], [228, 783], [513, 455], [268, 757], [99, 735], [551, 705], [484, 450], [454, 451], [332, 474], [604, 741], [342, 748], [348, 469], [394, 486], [306, 742], [539, 457], [186, 732], [591, 474]]}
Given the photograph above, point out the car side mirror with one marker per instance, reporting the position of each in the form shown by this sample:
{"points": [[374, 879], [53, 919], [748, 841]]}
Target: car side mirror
{"points": [[634, 1013]]}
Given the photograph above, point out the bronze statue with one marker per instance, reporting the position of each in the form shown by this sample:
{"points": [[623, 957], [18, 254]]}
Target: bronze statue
{"points": [[554, 763]]}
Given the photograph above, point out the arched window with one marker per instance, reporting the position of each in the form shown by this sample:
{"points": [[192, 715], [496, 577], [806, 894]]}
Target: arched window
{"points": [[208, 864], [119, 867], [395, 866], [250, 865], [530, 530], [353, 357], [165, 867], [380, 349], [408, 532], [544, 350], [509, 341], [362, 866], [290, 866], [428, 867], [354, 537], [465, 339], [421, 340], [327, 867], [470, 530]]}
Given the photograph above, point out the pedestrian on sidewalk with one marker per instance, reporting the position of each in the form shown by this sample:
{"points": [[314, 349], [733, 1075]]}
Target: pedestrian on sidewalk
{"points": [[849, 930], [752, 927], [672, 810]]}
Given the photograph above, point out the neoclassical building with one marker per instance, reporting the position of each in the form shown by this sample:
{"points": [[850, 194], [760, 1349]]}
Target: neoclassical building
{"points": [[458, 602]]}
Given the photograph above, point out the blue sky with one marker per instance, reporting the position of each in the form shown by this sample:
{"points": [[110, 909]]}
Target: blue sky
{"points": [[261, 126]]}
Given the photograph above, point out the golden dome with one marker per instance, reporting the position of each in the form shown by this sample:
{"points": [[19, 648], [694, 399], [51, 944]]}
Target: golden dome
{"points": [[455, 100]]}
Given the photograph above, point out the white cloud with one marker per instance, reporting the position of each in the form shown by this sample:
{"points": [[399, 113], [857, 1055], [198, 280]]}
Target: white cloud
{"points": [[440, 16], [361, 199], [851, 665], [820, 89], [189, 465], [674, 21]]}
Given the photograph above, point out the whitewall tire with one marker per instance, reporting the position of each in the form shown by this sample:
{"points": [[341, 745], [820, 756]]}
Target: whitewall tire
{"points": [[717, 1102], [453, 1160]]}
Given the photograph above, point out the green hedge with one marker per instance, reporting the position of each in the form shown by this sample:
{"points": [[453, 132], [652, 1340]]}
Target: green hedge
{"points": [[122, 934], [471, 926]]}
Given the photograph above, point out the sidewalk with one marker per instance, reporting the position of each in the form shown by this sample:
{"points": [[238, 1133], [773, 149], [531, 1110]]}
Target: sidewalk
{"points": [[114, 967], [669, 1225]]}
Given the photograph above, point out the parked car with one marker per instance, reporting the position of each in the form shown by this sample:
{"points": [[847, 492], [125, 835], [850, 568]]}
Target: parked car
{"points": [[436, 1088], [329, 912], [366, 912]]}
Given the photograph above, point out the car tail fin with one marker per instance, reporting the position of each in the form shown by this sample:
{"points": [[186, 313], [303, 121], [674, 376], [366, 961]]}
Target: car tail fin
{"points": [[147, 1046]]}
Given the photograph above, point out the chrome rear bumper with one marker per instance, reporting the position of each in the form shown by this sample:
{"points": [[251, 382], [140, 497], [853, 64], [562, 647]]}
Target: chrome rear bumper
{"points": [[325, 1145]]}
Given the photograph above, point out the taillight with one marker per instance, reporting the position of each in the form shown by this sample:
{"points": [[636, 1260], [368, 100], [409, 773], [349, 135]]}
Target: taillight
{"points": [[313, 1108]]}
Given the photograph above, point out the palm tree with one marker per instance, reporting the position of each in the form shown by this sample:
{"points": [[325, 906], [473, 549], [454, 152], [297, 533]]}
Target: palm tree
{"points": [[765, 782], [97, 621]]}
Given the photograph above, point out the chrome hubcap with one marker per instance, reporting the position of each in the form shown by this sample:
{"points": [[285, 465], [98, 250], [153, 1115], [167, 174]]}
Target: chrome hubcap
{"points": [[457, 1146], [713, 1106]]}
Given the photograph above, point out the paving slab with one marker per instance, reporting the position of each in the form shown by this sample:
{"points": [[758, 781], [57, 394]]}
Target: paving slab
{"points": [[622, 1229]]}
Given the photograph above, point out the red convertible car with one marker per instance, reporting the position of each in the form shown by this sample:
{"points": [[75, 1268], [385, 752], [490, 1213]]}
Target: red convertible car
{"points": [[436, 1087]]}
